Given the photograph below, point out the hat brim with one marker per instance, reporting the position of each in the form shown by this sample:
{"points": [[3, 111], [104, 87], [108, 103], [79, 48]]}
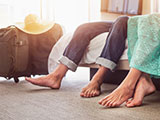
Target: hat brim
{"points": [[46, 26]]}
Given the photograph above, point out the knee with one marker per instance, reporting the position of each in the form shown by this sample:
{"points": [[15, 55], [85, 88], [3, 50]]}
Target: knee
{"points": [[123, 20], [83, 29]]}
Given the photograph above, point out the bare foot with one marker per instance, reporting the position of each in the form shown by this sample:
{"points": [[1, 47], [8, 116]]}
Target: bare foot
{"points": [[91, 90], [124, 91], [51, 81], [144, 87], [117, 97]]}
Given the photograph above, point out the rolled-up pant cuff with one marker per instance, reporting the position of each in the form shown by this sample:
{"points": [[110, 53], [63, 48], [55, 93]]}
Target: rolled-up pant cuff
{"points": [[69, 63], [106, 63]]}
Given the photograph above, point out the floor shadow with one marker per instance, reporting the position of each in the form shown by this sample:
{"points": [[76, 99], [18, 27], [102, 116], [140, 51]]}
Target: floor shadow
{"points": [[154, 98], [104, 108], [45, 89]]}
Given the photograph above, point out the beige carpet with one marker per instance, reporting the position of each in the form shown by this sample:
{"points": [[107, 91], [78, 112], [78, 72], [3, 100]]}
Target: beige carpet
{"points": [[24, 101]]}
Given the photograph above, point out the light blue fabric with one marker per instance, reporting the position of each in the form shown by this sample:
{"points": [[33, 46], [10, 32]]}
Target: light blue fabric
{"points": [[144, 43]]}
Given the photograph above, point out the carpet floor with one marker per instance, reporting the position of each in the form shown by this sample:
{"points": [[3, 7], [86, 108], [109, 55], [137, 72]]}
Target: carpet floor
{"points": [[24, 101]]}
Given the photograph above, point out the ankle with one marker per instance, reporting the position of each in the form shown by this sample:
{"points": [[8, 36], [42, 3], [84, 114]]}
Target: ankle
{"points": [[95, 83], [127, 87], [57, 75], [97, 80], [129, 83]]}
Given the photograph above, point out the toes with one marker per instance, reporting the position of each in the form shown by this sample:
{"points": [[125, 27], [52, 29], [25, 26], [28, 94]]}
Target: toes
{"points": [[110, 101], [112, 104], [107, 103], [93, 94], [129, 101], [97, 93], [83, 92], [28, 79], [131, 104], [86, 93], [138, 103], [134, 103], [31, 80], [102, 100], [89, 94]]}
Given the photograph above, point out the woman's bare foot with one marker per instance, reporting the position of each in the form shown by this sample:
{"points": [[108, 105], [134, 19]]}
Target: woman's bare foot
{"points": [[117, 97], [124, 91], [52, 80], [144, 87], [94, 87]]}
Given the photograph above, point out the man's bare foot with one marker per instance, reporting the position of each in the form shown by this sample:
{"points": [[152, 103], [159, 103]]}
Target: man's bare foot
{"points": [[93, 88], [51, 81], [144, 87], [117, 97]]}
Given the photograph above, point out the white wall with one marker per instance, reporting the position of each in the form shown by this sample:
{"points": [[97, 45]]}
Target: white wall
{"points": [[48, 9], [94, 10], [4, 13], [21, 8], [71, 13], [12, 11]]}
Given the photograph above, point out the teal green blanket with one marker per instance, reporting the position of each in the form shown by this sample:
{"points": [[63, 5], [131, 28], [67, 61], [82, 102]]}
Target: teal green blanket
{"points": [[144, 43]]}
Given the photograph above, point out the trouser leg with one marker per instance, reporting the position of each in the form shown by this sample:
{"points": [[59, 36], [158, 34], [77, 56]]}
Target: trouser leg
{"points": [[115, 44], [81, 39]]}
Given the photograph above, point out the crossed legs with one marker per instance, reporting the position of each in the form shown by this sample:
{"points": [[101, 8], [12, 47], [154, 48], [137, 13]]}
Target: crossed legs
{"points": [[136, 85], [143, 88], [124, 91]]}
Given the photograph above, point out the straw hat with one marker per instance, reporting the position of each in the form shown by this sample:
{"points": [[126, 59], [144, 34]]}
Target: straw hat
{"points": [[33, 25]]}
